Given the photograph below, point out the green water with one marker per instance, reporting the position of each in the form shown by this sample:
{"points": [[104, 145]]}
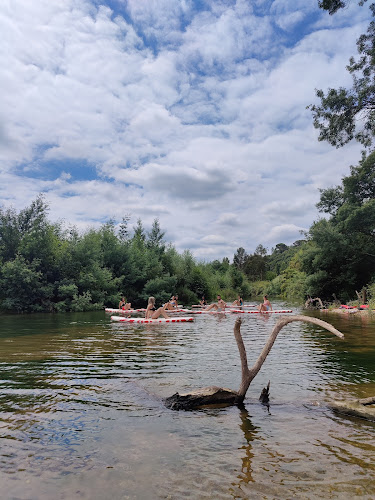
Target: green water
{"points": [[81, 412]]}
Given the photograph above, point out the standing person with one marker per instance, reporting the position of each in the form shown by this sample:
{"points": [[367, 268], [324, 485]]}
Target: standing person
{"points": [[152, 312], [219, 306], [266, 306], [125, 306]]}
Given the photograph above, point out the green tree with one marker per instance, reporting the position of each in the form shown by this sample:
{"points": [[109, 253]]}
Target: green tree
{"points": [[340, 257], [239, 258], [22, 287], [344, 114], [155, 237]]}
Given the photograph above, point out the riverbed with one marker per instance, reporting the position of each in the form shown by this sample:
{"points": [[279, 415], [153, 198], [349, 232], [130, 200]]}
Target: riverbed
{"points": [[82, 416]]}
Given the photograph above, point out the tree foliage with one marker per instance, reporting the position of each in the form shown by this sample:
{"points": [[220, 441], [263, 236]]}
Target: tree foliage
{"points": [[48, 268], [341, 255], [344, 114]]}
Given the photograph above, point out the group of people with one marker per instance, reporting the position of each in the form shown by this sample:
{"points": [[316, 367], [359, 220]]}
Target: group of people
{"points": [[153, 313], [220, 305]]}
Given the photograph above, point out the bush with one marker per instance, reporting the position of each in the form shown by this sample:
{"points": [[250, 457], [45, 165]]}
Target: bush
{"points": [[83, 303]]}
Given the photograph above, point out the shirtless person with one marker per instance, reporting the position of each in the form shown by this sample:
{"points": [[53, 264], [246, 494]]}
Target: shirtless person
{"points": [[266, 306], [219, 306]]}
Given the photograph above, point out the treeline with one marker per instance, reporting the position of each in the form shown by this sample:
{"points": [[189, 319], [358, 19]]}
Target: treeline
{"points": [[47, 267], [337, 255]]}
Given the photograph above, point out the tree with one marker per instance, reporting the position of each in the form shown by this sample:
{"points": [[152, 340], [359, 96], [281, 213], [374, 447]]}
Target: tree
{"points": [[239, 258], [124, 228], [346, 114], [155, 237], [139, 232], [340, 257], [335, 5], [22, 287], [261, 250]]}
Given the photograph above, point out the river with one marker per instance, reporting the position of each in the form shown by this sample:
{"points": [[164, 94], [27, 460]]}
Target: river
{"points": [[81, 412]]}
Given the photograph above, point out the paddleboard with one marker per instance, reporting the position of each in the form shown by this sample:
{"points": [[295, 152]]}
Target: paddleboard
{"points": [[130, 311], [158, 320], [133, 311], [280, 311], [208, 312]]}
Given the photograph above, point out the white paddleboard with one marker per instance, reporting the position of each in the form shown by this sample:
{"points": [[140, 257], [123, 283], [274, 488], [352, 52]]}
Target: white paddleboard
{"points": [[158, 320]]}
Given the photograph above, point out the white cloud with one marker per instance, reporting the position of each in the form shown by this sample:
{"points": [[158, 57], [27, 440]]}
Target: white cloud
{"points": [[195, 116]]}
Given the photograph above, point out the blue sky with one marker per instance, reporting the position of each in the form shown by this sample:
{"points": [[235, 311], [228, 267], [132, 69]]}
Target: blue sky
{"points": [[193, 112]]}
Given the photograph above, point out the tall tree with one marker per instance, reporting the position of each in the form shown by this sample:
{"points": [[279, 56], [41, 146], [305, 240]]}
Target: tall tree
{"points": [[344, 114], [341, 254], [155, 237], [239, 258]]}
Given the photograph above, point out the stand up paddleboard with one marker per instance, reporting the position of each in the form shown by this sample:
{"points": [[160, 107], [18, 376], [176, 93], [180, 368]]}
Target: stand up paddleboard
{"points": [[280, 311], [158, 320], [209, 312], [240, 311], [133, 311]]}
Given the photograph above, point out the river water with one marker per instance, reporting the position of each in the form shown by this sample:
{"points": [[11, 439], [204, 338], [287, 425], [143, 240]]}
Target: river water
{"points": [[81, 412]]}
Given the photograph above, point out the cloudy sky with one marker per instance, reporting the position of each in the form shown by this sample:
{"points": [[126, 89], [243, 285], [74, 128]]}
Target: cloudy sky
{"points": [[190, 111]]}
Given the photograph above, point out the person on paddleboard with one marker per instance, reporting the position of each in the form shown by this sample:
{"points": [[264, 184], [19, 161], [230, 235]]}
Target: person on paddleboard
{"points": [[266, 306], [172, 304], [219, 306], [203, 301], [124, 305], [238, 302], [152, 312]]}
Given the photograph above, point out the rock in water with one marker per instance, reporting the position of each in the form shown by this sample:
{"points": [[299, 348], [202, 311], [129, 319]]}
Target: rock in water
{"points": [[364, 408]]}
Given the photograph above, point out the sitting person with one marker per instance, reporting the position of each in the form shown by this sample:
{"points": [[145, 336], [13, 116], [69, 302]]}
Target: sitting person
{"points": [[125, 306], [219, 306], [266, 306], [152, 312], [238, 302], [203, 301], [172, 304]]}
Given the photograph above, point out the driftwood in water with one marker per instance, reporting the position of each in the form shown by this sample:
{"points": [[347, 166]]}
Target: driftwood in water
{"points": [[215, 395], [264, 397], [362, 297], [201, 397], [364, 408], [310, 303]]}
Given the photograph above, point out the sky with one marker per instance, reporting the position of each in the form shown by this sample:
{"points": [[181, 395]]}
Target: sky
{"points": [[189, 111]]}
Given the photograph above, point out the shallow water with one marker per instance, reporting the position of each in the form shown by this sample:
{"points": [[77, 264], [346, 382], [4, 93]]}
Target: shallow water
{"points": [[81, 412]]}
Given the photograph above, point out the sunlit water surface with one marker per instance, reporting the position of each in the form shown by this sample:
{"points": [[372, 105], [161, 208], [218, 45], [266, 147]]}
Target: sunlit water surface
{"points": [[82, 417]]}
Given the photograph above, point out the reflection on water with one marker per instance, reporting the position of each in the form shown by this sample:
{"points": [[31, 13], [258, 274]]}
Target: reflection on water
{"points": [[81, 412]]}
